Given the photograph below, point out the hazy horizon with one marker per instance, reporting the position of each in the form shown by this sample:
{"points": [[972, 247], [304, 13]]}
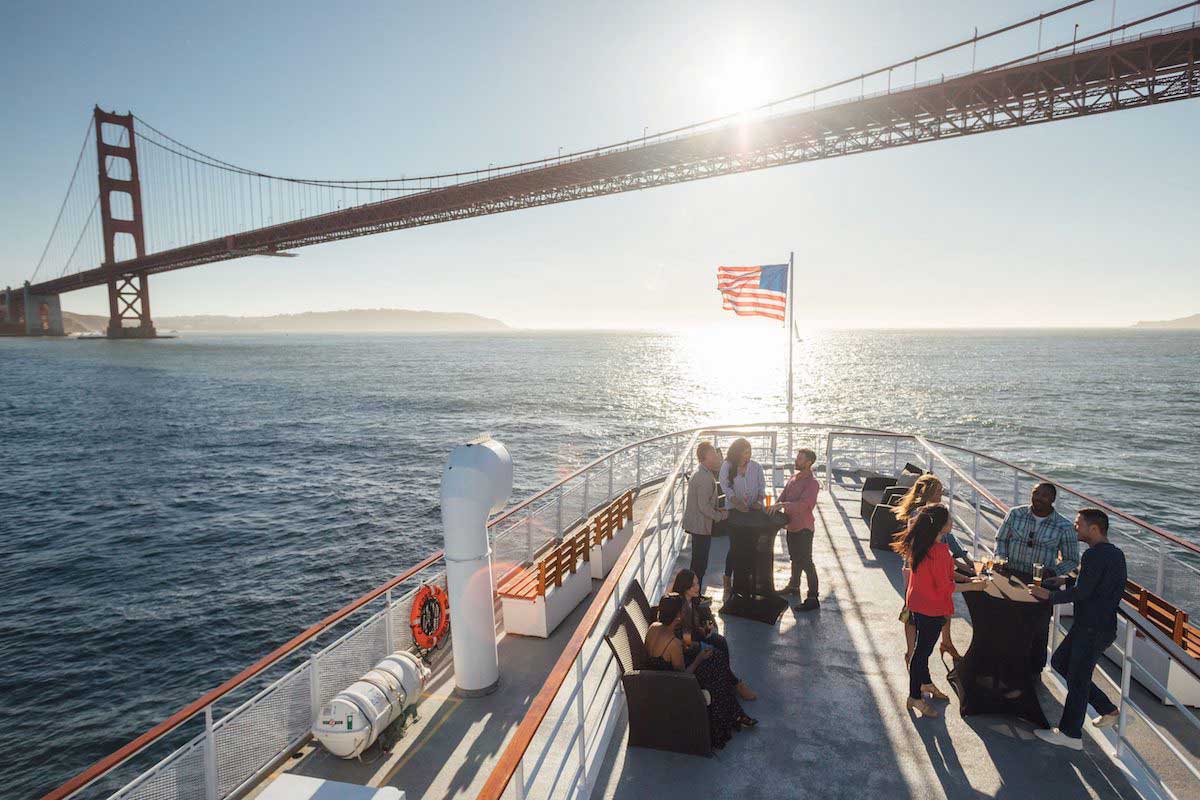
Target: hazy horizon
{"points": [[1023, 228], [749, 326]]}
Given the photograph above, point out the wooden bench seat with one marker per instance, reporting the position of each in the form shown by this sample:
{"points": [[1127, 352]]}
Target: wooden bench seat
{"points": [[1167, 617], [537, 596], [610, 530], [1173, 622]]}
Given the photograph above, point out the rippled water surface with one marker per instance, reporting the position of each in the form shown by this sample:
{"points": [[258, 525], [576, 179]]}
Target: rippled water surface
{"points": [[172, 510]]}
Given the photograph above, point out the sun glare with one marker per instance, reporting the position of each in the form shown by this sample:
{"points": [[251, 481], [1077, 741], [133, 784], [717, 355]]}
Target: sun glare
{"points": [[739, 82]]}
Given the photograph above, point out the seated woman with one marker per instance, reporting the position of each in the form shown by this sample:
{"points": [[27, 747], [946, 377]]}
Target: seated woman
{"points": [[708, 664], [927, 491], [699, 621]]}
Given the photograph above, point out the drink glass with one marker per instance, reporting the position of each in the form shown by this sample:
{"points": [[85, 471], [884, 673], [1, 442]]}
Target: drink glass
{"points": [[1037, 574]]}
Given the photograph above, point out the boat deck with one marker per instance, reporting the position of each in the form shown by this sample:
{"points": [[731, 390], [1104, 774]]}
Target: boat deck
{"points": [[452, 748], [831, 688]]}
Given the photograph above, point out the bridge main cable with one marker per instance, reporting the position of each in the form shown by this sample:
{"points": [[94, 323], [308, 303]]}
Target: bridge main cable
{"points": [[357, 182]]}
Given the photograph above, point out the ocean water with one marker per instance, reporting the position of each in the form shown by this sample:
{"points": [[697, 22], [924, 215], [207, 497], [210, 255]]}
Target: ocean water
{"points": [[172, 510]]}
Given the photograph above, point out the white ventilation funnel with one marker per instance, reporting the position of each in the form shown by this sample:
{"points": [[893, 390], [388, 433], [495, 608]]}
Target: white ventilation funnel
{"points": [[476, 483]]}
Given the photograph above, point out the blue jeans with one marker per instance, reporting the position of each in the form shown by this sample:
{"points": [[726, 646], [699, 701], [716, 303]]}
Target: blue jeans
{"points": [[1075, 659]]}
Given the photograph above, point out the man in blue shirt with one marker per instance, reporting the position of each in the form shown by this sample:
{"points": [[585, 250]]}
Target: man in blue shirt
{"points": [[1096, 594], [1037, 534]]}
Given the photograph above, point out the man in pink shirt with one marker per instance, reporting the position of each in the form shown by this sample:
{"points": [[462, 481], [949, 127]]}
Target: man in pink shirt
{"points": [[799, 498]]}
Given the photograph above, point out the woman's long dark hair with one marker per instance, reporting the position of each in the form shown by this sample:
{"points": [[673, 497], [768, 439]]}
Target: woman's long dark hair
{"points": [[669, 607], [923, 528], [734, 455], [683, 581]]}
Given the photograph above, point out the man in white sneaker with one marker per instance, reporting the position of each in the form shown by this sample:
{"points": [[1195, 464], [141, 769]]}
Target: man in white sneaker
{"points": [[1096, 594]]}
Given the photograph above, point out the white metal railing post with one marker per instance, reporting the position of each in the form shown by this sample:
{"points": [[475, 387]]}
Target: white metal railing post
{"points": [[558, 529], [895, 456], [638, 471], [829, 462], [389, 639], [610, 477], [212, 788], [658, 545], [519, 779], [1160, 573], [314, 688], [1126, 672], [529, 536], [587, 479], [775, 449], [950, 501], [1016, 488], [579, 708], [975, 527]]}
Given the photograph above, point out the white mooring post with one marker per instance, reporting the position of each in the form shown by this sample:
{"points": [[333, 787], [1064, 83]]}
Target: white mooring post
{"points": [[477, 482]]}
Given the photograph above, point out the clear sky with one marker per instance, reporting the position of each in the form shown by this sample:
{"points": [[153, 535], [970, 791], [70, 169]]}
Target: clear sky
{"points": [[1084, 222]]}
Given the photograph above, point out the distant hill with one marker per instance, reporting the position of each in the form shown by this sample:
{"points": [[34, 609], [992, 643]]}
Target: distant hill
{"points": [[1183, 323], [351, 321]]}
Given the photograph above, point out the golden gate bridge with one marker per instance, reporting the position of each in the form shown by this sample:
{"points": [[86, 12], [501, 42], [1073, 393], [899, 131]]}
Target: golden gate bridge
{"points": [[160, 205]]}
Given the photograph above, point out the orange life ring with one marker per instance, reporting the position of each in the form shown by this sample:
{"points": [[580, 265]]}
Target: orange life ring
{"points": [[430, 616]]}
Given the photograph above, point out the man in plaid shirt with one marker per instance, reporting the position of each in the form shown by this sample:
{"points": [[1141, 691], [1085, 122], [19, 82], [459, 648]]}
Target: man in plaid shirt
{"points": [[1037, 534]]}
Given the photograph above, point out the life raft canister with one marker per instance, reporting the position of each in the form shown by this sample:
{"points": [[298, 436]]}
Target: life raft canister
{"points": [[430, 616]]}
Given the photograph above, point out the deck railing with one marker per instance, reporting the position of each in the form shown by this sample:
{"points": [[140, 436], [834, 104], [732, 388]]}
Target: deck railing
{"points": [[565, 734], [268, 708], [980, 490], [198, 753]]}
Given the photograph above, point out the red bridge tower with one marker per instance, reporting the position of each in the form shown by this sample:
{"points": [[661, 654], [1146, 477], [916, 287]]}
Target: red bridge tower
{"points": [[128, 292]]}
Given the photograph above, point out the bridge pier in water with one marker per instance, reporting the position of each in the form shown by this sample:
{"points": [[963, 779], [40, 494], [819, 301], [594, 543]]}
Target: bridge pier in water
{"points": [[129, 302], [23, 313]]}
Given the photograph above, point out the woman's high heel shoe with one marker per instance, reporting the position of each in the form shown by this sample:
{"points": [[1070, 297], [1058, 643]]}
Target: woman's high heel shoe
{"points": [[744, 722], [934, 692], [950, 650], [921, 706]]}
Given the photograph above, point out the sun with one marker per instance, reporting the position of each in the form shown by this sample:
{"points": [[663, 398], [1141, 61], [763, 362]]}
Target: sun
{"points": [[739, 82]]}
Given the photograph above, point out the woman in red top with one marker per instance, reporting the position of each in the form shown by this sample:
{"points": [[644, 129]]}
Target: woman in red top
{"points": [[930, 596]]}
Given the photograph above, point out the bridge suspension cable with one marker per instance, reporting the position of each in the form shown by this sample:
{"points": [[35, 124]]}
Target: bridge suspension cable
{"points": [[415, 181], [68, 211]]}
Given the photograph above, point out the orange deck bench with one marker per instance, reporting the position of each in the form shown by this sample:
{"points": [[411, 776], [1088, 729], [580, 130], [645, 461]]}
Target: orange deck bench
{"points": [[536, 597]]}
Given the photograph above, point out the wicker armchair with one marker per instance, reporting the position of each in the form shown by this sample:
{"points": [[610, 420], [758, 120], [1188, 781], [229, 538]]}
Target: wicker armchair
{"points": [[667, 710], [639, 609], [872, 494]]}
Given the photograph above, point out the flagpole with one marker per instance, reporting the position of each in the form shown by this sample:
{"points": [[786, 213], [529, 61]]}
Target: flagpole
{"points": [[791, 303]]}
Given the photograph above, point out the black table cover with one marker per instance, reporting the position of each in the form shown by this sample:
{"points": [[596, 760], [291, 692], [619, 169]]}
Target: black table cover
{"points": [[752, 554], [1006, 656]]}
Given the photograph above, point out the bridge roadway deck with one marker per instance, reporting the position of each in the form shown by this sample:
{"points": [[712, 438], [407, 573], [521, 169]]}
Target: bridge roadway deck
{"points": [[831, 690]]}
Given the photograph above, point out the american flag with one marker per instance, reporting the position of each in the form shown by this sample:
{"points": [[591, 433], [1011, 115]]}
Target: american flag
{"points": [[754, 291]]}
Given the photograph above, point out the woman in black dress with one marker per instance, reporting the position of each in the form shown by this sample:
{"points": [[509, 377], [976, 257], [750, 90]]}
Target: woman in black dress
{"points": [[709, 665], [698, 619]]}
